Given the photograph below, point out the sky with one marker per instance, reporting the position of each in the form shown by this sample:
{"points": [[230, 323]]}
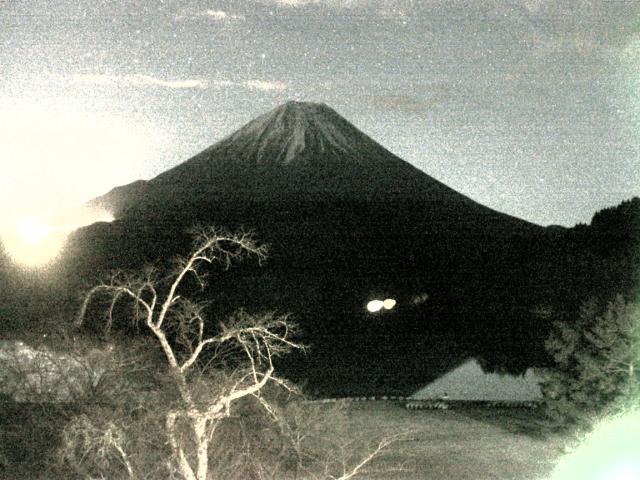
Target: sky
{"points": [[530, 107]]}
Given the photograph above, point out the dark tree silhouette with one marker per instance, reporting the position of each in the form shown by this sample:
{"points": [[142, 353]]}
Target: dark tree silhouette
{"points": [[597, 363]]}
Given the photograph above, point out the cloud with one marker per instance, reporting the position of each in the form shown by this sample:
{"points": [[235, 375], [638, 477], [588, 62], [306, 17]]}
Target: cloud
{"points": [[262, 85], [631, 52], [265, 85], [221, 15], [138, 80], [407, 103], [337, 4], [292, 3], [383, 7], [534, 6], [584, 25]]}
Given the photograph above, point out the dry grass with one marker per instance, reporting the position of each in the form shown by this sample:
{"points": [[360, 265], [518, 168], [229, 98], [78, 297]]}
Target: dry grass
{"points": [[469, 444], [460, 444]]}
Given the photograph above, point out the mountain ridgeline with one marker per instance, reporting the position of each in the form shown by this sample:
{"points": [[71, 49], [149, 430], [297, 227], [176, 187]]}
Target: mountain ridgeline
{"points": [[347, 221], [295, 153]]}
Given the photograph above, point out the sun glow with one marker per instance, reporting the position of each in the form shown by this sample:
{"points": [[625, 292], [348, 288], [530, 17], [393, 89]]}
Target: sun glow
{"points": [[57, 153], [33, 242], [32, 231]]}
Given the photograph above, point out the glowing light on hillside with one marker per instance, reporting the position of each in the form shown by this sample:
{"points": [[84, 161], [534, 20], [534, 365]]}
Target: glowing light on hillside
{"points": [[375, 305], [74, 219], [389, 303], [611, 452], [106, 217]]}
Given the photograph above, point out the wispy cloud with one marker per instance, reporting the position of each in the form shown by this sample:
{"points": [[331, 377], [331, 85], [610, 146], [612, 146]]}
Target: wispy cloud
{"points": [[394, 10], [221, 15], [292, 3], [265, 85], [255, 84], [534, 6], [337, 4], [407, 103], [384, 7], [588, 26], [138, 80]]}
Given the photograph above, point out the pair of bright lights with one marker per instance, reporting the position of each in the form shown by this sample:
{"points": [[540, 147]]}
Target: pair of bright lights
{"points": [[377, 305]]}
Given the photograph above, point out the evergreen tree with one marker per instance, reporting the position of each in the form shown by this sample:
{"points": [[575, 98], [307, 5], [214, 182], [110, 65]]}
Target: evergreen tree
{"points": [[597, 363]]}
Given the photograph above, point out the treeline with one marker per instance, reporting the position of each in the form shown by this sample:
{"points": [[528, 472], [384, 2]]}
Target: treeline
{"points": [[606, 253], [561, 270]]}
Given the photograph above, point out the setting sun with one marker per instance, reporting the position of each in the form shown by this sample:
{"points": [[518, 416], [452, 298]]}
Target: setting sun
{"points": [[33, 242], [59, 153], [32, 231]]}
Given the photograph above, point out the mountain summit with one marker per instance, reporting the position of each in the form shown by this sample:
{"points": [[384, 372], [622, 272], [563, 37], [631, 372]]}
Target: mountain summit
{"points": [[294, 133], [299, 134]]}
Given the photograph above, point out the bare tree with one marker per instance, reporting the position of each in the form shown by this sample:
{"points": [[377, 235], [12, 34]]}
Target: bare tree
{"points": [[178, 325], [322, 451], [204, 390]]}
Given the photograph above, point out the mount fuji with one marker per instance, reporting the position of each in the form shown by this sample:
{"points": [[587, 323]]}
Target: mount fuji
{"points": [[299, 151]]}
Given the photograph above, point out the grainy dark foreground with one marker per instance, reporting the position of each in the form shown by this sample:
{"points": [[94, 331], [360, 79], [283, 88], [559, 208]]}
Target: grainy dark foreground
{"points": [[473, 443]]}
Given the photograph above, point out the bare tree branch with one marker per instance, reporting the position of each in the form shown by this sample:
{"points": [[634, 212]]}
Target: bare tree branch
{"points": [[259, 337]]}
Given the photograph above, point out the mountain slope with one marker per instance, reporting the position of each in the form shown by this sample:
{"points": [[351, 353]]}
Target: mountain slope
{"points": [[296, 152]]}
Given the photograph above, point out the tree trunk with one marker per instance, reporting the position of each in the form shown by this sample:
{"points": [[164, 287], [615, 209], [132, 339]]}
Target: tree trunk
{"points": [[202, 445], [183, 464]]}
